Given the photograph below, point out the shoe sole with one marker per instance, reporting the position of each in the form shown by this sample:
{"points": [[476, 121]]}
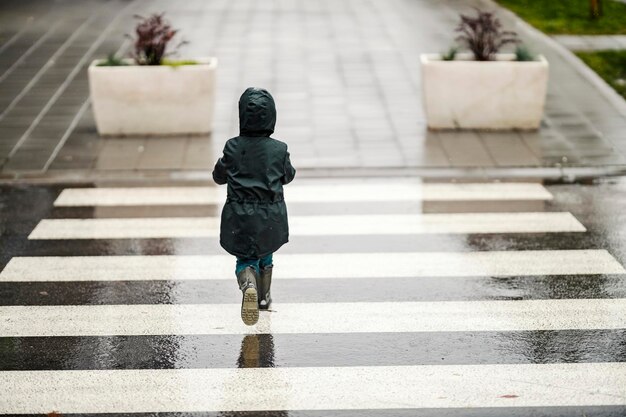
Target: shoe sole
{"points": [[249, 307]]}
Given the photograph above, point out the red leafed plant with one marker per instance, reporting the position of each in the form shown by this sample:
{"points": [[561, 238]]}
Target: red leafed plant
{"points": [[483, 35], [153, 35]]}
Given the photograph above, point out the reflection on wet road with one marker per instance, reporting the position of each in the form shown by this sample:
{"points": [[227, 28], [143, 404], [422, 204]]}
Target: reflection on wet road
{"points": [[404, 299]]}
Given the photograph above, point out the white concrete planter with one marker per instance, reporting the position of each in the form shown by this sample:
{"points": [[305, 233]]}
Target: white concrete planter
{"points": [[153, 100], [468, 94]]}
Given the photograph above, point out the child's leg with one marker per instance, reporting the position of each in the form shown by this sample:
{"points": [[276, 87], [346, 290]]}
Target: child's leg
{"points": [[265, 282], [243, 263], [266, 261], [247, 271]]}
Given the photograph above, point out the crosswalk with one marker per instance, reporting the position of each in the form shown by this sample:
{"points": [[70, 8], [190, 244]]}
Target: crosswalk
{"points": [[376, 328]]}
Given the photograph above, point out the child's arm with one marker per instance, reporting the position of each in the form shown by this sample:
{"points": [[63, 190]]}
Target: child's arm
{"points": [[289, 170], [219, 172]]}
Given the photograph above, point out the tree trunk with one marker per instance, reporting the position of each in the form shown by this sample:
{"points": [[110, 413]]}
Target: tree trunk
{"points": [[595, 9]]}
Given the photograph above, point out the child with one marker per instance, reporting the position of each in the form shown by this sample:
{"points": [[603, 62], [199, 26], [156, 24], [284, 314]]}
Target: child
{"points": [[254, 218]]}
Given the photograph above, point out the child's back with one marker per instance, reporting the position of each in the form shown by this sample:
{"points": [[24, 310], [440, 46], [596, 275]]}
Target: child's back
{"points": [[255, 167]]}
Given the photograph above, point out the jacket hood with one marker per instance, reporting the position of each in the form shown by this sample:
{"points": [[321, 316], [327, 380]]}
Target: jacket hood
{"points": [[257, 113]]}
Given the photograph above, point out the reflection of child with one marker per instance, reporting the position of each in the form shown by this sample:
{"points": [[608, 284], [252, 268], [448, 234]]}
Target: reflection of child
{"points": [[254, 219]]}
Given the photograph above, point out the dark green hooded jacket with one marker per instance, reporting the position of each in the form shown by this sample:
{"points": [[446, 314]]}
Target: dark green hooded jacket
{"points": [[255, 167]]}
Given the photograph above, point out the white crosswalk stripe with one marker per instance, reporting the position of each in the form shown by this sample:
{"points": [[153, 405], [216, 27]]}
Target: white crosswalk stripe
{"points": [[308, 266], [164, 319], [328, 388], [352, 191], [323, 386], [185, 227]]}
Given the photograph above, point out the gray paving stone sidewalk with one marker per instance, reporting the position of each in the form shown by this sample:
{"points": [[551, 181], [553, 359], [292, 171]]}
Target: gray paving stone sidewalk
{"points": [[345, 75]]}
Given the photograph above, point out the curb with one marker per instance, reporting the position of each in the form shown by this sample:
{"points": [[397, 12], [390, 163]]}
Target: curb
{"points": [[554, 175]]}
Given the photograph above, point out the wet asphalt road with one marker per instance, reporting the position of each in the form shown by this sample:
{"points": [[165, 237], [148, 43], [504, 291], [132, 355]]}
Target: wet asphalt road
{"points": [[599, 207]]}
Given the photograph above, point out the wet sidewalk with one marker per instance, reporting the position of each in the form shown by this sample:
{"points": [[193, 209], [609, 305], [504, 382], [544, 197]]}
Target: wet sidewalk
{"points": [[345, 75]]}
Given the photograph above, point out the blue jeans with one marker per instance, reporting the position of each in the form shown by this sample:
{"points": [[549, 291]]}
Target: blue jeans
{"points": [[257, 264]]}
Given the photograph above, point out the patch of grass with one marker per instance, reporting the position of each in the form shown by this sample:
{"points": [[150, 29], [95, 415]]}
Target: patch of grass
{"points": [[451, 54], [112, 61], [610, 65], [570, 16], [178, 63]]}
